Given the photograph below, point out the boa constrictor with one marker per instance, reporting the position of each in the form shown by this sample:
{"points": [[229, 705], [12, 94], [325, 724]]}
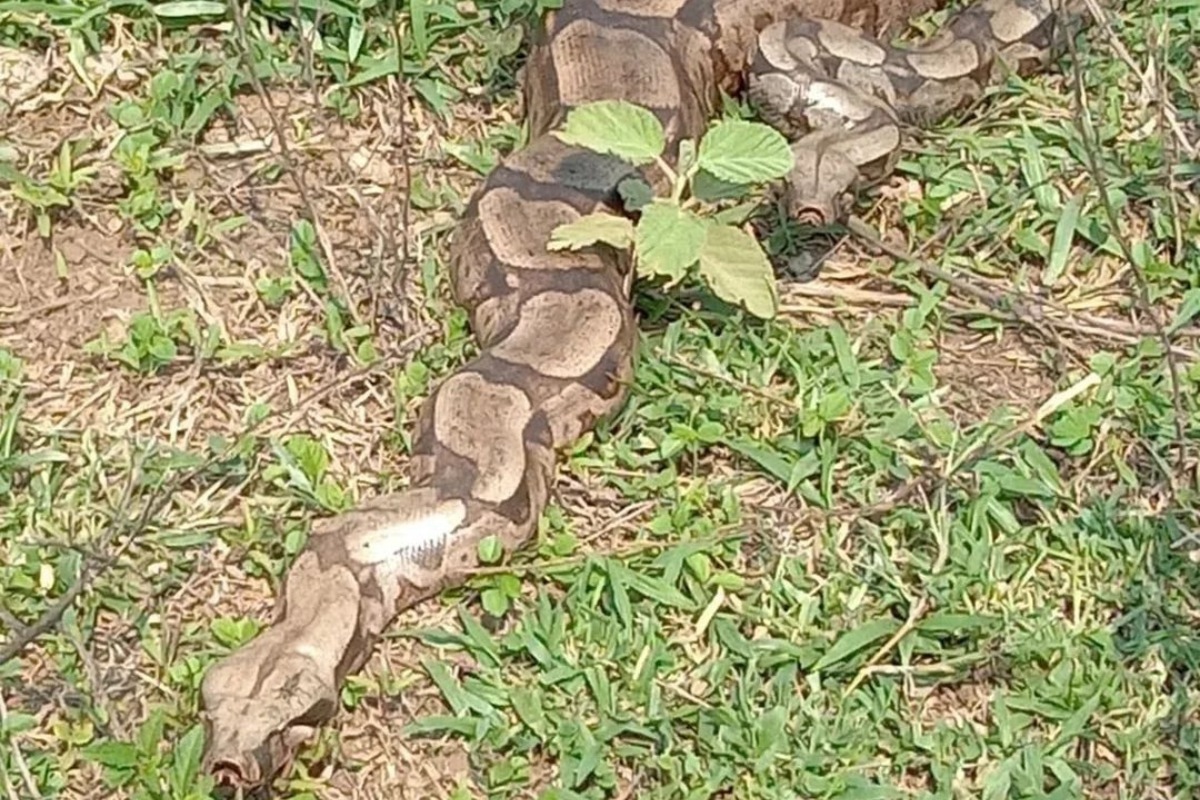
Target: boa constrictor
{"points": [[557, 329]]}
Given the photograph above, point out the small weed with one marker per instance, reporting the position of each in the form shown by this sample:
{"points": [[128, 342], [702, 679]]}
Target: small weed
{"points": [[152, 342], [274, 291], [148, 263], [57, 191], [142, 157], [304, 256], [144, 767], [687, 230], [302, 468]]}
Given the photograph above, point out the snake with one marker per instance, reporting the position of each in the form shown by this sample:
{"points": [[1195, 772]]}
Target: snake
{"points": [[557, 328]]}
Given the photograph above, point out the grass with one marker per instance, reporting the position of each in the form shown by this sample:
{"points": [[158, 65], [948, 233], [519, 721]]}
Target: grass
{"points": [[918, 537]]}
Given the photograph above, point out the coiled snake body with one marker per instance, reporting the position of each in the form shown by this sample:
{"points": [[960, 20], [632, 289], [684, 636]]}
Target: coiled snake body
{"points": [[557, 329]]}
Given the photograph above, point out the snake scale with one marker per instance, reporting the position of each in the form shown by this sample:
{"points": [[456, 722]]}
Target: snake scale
{"points": [[556, 329]]}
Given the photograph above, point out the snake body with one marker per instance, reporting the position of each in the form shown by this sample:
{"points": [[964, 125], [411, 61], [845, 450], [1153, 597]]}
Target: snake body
{"points": [[556, 329]]}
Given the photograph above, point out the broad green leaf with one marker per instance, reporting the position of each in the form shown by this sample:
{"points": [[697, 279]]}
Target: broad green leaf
{"points": [[1188, 309], [1002, 516], [188, 752], [853, 641], [711, 189], [1077, 722], [111, 754], [737, 151], [900, 423], [649, 586], [590, 755], [776, 465], [601, 688], [700, 565], [587, 230], [527, 702], [617, 128], [419, 16], [494, 601], [1060, 247], [952, 623], [16, 722], [188, 8], [451, 689], [635, 192], [790, 472], [620, 597], [735, 215], [1041, 464], [478, 640], [372, 69], [729, 581], [233, 632], [490, 549], [184, 541], [463, 726], [1033, 166], [151, 732], [354, 45], [998, 782], [734, 265], [509, 584], [1014, 483], [771, 731], [668, 240]]}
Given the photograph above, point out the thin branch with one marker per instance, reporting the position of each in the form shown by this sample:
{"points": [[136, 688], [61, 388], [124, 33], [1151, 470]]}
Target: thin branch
{"points": [[54, 305], [10, 621], [1091, 146], [1007, 304], [49, 618], [406, 166], [1168, 118], [968, 459], [290, 166], [1171, 120], [1014, 305]]}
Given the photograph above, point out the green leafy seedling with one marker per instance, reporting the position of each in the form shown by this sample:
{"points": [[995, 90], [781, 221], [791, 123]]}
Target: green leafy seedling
{"points": [[683, 234]]}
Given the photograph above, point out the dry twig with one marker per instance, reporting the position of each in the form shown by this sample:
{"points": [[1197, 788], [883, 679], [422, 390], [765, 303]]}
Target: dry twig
{"points": [[285, 153], [1091, 147], [24, 636]]}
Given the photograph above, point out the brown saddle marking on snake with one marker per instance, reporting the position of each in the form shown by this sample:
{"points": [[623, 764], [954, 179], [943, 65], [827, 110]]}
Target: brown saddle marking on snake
{"points": [[557, 329]]}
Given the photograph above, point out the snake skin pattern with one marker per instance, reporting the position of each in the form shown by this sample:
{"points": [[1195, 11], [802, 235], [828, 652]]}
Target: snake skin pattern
{"points": [[557, 329]]}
